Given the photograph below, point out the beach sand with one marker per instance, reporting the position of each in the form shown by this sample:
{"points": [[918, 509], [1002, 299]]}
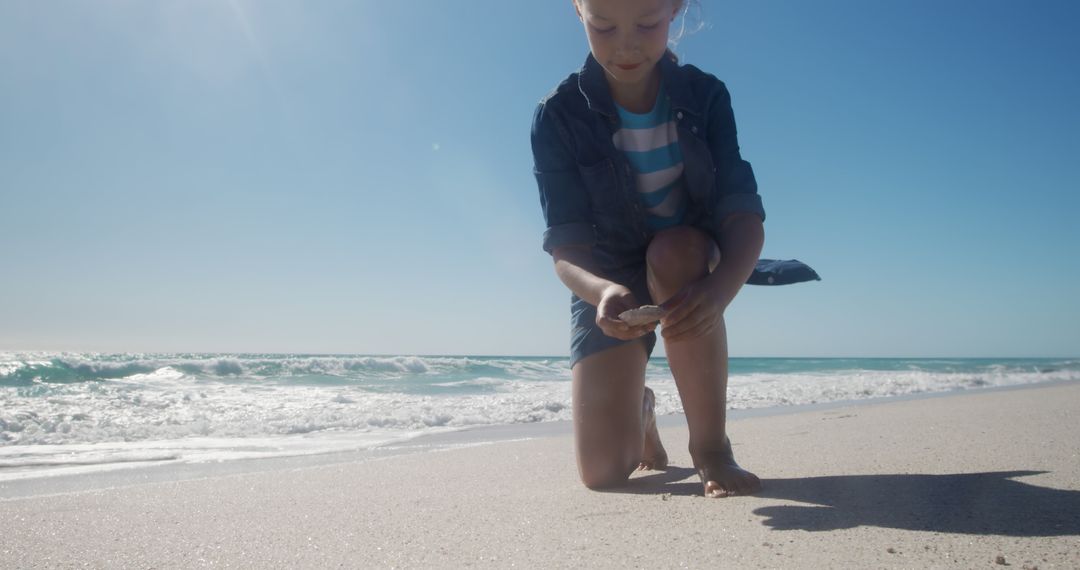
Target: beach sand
{"points": [[974, 480]]}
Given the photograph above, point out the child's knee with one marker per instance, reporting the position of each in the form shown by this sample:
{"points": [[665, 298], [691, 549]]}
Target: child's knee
{"points": [[608, 466], [682, 252], [600, 477]]}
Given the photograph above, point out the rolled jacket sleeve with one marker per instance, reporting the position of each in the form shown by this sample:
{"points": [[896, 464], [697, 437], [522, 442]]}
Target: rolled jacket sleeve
{"points": [[736, 188], [563, 197]]}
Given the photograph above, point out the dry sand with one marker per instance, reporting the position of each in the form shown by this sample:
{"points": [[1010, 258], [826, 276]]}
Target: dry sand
{"points": [[978, 480]]}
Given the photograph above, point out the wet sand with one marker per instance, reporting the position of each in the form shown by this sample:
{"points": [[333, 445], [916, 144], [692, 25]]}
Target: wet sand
{"points": [[976, 479]]}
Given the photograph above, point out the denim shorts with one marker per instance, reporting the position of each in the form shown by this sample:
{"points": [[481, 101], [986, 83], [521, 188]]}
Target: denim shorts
{"points": [[587, 338]]}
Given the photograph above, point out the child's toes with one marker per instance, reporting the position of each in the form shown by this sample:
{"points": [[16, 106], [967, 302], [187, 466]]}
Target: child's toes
{"points": [[714, 490], [750, 484], [740, 486]]}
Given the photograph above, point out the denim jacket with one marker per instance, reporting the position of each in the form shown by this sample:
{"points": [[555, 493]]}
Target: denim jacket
{"points": [[587, 187]]}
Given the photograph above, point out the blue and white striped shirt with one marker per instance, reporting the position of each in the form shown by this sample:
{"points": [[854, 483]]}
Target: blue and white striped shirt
{"points": [[651, 144]]}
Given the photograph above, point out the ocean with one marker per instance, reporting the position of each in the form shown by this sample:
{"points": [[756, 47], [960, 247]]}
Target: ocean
{"points": [[62, 413]]}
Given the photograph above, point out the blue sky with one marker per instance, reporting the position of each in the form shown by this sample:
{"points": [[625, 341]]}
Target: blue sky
{"points": [[355, 176]]}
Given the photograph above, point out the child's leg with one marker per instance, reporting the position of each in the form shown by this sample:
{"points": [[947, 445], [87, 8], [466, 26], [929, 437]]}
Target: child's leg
{"points": [[677, 257], [613, 432]]}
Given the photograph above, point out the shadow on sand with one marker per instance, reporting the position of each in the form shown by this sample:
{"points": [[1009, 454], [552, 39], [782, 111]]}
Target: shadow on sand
{"points": [[964, 503]]}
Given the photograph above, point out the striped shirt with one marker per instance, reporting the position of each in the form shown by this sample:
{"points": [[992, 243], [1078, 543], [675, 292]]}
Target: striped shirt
{"points": [[651, 144]]}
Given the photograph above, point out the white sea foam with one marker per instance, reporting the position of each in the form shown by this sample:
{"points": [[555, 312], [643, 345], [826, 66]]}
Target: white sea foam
{"points": [[486, 382], [60, 412], [24, 462]]}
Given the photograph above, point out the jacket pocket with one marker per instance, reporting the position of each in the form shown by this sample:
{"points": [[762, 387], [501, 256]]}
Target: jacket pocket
{"points": [[603, 188], [699, 174]]}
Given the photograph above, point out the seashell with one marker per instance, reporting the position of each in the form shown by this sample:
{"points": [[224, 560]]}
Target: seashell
{"points": [[642, 315]]}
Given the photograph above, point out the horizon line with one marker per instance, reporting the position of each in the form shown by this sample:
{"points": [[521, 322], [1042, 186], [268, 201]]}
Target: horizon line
{"points": [[479, 355]]}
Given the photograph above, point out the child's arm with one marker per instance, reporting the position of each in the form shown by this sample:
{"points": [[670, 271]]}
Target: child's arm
{"points": [[742, 236], [735, 223], [577, 270], [569, 236], [736, 186]]}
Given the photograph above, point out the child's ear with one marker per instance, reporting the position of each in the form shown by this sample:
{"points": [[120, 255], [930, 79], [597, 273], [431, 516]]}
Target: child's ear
{"points": [[678, 7], [577, 10]]}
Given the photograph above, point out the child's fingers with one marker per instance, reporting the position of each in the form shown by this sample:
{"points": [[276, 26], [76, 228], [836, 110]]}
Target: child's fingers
{"points": [[675, 301], [689, 327], [621, 330], [703, 328], [680, 312], [614, 328], [612, 322]]}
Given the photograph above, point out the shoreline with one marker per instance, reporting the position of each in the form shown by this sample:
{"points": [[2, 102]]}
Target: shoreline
{"points": [[974, 479], [141, 473]]}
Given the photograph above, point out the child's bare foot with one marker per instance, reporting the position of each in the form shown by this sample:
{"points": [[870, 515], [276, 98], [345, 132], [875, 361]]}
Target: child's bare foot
{"points": [[653, 455], [722, 477]]}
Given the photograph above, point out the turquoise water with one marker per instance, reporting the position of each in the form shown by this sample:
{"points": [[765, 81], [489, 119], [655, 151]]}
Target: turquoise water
{"points": [[59, 410]]}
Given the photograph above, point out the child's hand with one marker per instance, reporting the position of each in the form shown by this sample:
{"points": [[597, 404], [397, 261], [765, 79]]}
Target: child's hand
{"points": [[614, 301], [694, 311]]}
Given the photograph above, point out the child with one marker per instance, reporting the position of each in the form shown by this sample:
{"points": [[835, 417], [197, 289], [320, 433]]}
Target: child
{"points": [[646, 200]]}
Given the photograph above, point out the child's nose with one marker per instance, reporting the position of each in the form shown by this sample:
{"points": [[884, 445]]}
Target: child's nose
{"points": [[628, 45]]}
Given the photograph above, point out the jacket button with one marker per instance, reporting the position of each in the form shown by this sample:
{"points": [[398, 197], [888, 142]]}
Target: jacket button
{"points": [[678, 115], [693, 130]]}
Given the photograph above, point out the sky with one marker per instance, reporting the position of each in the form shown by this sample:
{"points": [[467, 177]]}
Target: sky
{"points": [[356, 176]]}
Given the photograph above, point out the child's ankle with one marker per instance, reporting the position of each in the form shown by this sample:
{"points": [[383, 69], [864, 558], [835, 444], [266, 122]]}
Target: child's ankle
{"points": [[705, 452]]}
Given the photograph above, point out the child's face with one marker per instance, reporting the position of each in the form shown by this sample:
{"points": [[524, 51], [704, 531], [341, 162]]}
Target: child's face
{"points": [[627, 37]]}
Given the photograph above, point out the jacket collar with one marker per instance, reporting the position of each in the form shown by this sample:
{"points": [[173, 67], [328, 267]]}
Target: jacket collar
{"points": [[594, 87]]}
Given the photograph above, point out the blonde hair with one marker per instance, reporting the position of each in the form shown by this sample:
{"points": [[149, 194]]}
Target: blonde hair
{"points": [[683, 29]]}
